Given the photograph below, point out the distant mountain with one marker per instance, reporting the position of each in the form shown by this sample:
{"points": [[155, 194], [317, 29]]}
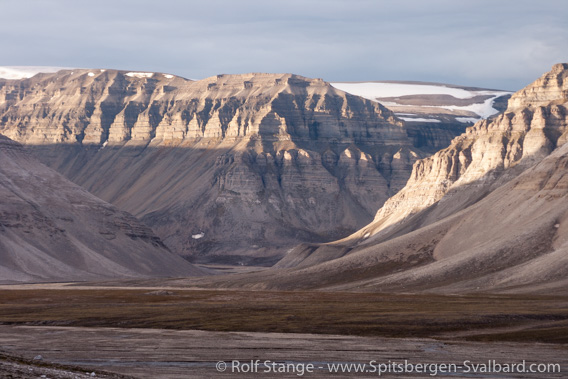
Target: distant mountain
{"points": [[232, 168], [431, 102], [432, 108], [24, 72], [487, 213], [53, 230]]}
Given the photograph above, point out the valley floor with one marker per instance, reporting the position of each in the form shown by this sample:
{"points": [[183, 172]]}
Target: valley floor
{"points": [[182, 333]]}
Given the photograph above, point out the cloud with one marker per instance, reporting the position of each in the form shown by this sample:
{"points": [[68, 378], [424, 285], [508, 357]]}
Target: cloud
{"points": [[504, 44]]}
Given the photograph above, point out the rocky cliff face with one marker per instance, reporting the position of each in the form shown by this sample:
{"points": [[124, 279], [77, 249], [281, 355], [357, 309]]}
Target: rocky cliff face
{"points": [[93, 107], [52, 229], [487, 214], [223, 167], [550, 89], [487, 154], [514, 240]]}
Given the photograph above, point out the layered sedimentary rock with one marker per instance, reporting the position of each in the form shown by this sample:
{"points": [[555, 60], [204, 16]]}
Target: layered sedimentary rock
{"points": [[54, 230], [488, 213], [223, 167], [490, 152], [514, 240]]}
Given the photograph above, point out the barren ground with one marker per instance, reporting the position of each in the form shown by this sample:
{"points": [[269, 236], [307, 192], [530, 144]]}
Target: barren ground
{"points": [[181, 333]]}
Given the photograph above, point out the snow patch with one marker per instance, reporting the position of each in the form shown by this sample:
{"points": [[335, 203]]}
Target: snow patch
{"points": [[372, 91], [483, 110], [140, 74], [91, 74], [467, 119], [198, 236], [376, 91], [24, 72], [168, 76], [418, 119]]}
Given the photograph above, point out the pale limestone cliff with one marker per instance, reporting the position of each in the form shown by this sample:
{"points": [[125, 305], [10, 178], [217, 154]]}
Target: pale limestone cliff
{"points": [[93, 107], [551, 88]]}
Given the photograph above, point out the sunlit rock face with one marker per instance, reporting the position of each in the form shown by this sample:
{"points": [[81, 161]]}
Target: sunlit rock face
{"points": [[487, 214], [252, 163], [534, 124]]}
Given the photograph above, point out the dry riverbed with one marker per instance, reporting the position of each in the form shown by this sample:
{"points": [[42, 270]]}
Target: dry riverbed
{"points": [[181, 333]]}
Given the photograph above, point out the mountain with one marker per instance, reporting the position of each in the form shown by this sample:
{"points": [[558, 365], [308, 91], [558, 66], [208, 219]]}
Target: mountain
{"points": [[489, 153], [53, 230], [487, 213], [232, 168], [24, 72], [433, 112]]}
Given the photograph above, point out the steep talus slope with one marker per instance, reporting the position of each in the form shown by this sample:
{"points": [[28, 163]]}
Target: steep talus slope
{"points": [[486, 214], [514, 240], [53, 230], [230, 168]]}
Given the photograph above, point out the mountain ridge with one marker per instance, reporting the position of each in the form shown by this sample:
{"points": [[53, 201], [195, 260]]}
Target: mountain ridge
{"points": [[238, 147], [486, 214]]}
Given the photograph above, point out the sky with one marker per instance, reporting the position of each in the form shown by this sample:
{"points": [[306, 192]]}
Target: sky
{"points": [[501, 44]]}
